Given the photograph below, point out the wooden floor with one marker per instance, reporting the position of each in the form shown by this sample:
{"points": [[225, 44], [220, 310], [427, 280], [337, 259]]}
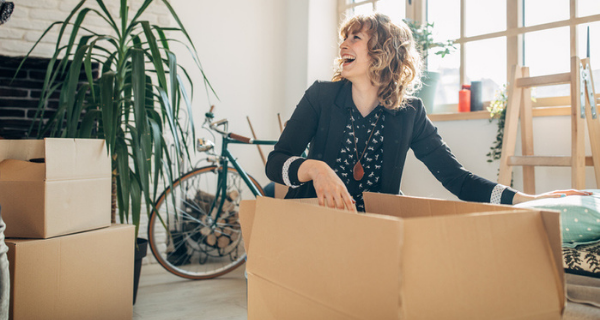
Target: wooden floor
{"points": [[163, 296]]}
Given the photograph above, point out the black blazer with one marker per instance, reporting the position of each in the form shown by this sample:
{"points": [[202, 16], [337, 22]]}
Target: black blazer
{"points": [[320, 118]]}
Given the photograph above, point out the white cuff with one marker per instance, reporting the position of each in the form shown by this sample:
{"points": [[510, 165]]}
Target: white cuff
{"points": [[496, 197], [285, 174]]}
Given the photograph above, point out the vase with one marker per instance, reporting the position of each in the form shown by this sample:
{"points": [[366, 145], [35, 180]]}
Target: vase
{"points": [[427, 91], [141, 248]]}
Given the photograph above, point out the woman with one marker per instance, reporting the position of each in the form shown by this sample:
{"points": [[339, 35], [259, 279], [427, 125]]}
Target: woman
{"points": [[361, 125]]}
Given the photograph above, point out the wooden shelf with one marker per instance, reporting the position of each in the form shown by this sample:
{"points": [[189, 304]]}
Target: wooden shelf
{"points": [[478, 115]]}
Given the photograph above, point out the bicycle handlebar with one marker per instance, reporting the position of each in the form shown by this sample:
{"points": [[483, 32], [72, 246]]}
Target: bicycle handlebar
{"points": [[240, 138]]}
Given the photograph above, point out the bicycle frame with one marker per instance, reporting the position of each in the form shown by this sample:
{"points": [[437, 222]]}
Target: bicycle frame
{"points": [[224, 160]]}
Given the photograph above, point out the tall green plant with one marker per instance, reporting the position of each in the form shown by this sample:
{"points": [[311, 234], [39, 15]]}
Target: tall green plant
{"points": [[133, 104]]}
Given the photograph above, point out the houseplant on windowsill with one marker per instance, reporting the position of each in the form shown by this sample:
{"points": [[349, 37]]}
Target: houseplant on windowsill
{"points": [[135, 104], [423, 35]]}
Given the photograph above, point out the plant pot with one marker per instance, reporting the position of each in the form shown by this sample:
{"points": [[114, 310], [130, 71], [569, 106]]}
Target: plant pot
{"points": [[141, 248], [427, 91]]}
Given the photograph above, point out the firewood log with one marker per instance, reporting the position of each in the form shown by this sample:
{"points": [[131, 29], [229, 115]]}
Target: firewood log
{"points": [[211, 239]]}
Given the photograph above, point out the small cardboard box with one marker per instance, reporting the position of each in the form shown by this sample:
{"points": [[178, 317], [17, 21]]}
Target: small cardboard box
{"points": [[86, 275], [69, 192], [280, 191], [415, 258]]}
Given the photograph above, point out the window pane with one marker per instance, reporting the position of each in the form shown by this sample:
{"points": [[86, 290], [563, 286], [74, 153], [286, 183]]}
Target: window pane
{"points": [[395, 9], [355, 1], [587, 7], [445, 15], [486, 62], [594, 48], [545, 59], [449, 83], [479, 19], [544, 11], [362, 9]]}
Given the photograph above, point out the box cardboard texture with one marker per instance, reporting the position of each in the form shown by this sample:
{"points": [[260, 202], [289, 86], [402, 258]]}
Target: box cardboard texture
{"points": [[86, 275], [412, 258], [70, 192]]}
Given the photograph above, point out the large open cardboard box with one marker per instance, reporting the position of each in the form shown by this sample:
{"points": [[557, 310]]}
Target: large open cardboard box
{"points": [[70, 192], [414, 258], [86, 275]]}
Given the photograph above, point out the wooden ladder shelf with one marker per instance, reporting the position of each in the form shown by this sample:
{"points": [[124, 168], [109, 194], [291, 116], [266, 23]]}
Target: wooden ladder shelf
{"points": [[583, 109]]}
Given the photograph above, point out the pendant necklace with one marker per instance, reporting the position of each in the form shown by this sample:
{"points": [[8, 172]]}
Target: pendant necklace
{"points": [[358, 171]]}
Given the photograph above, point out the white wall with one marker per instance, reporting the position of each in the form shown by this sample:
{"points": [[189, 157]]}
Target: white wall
{"points": [[323, 40], [260, 56], [254, 54]]}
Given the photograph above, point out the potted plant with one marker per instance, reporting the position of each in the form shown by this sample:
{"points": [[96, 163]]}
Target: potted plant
{"points": [[423, 35], [135, 103]]}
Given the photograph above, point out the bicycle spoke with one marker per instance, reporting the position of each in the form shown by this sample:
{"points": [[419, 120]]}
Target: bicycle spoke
{"points": [[198, 243]]}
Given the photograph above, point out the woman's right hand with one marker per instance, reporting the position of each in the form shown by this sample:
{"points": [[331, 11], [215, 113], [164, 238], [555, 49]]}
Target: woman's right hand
{"points": [[328, 185]]}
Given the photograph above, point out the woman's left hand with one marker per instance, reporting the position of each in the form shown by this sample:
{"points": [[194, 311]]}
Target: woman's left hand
{"points": [[523, 197]]}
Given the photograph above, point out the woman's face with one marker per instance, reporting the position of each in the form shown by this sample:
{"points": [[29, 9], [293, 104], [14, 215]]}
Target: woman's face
{"points": [[355, 55]]}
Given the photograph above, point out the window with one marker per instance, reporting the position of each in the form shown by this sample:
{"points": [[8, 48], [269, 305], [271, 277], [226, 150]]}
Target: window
{"points": [[492, 36]]}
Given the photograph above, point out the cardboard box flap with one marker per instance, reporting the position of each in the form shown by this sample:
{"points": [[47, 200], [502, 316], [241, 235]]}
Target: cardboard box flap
{"points": [[21, 149], [64, 158], [488, 266], [328, 255], [247, 212], [551, 219], [76, 159], [267, 301], [19, 170], [413, 207]]}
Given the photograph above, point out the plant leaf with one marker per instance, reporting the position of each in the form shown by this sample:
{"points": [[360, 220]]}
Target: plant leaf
{"points": [[136, 201], [87, 123], [141, 10], [122, 165], [138, 81], [156, 56], [74, 31], [109, 17], [107, 82]]}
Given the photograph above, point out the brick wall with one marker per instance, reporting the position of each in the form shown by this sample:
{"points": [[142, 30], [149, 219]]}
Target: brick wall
{"points": [[31, 17], [19, 99]]}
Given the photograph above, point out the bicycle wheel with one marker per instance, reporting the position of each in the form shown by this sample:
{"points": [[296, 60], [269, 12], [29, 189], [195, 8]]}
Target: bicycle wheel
{"points": [[187, 239]]}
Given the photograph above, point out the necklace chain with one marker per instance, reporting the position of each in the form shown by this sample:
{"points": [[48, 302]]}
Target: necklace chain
{"points": [[358, 171], [358, 158]]}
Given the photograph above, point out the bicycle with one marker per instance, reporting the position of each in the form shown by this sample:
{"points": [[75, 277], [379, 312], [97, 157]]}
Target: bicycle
{"points": [[195, 232]]}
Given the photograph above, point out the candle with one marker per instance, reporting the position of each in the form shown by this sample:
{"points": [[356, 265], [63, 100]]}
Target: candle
{"points": [[464, 99]]}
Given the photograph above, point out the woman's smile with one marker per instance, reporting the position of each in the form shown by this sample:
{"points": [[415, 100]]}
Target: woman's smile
{"points": [[348, 59]]}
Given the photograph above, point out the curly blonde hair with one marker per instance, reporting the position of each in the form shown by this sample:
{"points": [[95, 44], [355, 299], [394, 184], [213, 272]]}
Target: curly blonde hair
{"points": [[395, 62]]}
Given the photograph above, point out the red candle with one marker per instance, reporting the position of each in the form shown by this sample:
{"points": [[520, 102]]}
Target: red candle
{"points": [[464, 99]]}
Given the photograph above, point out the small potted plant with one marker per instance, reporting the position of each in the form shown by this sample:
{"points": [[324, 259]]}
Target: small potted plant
{"points": [[423, 35]]}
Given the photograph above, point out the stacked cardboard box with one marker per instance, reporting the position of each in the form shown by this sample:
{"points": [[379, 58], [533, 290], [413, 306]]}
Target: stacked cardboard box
{"points": [[66, 260], [410, 258]]}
